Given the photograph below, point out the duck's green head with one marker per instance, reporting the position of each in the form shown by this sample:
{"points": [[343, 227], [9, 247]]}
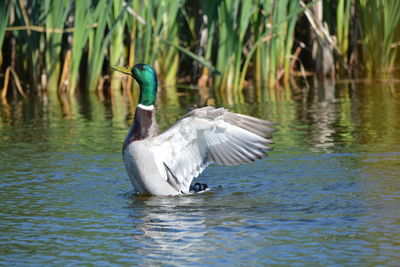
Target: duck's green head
{"points": [[147, 80]]}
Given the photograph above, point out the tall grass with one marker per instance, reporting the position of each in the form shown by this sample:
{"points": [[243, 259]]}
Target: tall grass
{"points": [[55, 12], [276, 35], [117, 40], [226, 44], [98, 43], [233, 22], [380, 22], [166, 29], [343, 26], [4, 14], [83, 17], [28, 46]]}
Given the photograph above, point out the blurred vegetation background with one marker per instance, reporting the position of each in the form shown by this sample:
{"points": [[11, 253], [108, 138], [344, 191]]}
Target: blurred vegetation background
{"points": [[229, 45]]}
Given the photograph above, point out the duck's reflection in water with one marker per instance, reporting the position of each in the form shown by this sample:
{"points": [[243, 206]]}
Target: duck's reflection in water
{"points": [[170, 227]]}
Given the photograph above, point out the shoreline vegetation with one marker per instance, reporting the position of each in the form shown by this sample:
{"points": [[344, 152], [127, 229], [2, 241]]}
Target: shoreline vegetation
{"points": [[57, 46]]}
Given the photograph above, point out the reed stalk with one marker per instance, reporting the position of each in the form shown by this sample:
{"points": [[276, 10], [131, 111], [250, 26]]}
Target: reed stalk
{"points": [[4, 14], [99, 40], [83, 16], [28, 47], [166, 29], [227, 39], [273, 42], [380, 22], [117, 42], [56, 13], [343, 26], [207, 37]]}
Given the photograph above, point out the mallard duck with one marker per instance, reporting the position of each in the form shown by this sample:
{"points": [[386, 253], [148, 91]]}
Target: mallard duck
{"points": [[166, 163]]}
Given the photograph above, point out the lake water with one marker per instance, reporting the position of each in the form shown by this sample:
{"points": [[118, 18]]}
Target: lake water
{"points": [[329, 194]]}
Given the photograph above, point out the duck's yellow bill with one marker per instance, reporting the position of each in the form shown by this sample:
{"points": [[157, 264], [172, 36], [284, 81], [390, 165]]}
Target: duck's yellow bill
{"points": [[125, 70]]}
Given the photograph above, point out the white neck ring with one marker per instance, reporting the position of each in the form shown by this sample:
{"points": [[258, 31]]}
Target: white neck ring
{"points": [[146, 107]]}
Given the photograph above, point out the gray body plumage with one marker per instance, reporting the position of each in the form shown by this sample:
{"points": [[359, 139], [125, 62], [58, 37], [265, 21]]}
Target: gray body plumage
{"points": [[166, 164]]}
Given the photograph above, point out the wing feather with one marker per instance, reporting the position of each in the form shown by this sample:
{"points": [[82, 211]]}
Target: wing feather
{"points": [[208, 135]]}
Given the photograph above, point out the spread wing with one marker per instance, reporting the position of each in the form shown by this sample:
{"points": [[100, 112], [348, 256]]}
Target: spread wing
{"points": [[208, 135]]}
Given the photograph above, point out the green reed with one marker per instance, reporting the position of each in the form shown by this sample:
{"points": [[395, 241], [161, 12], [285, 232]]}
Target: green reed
{"points": [[84, 17], [277, 27], [159, 28], [233, 43], [343, 26], [117, 57], [380, 22], [28, 53], [244, 27], [273, 28], [4, 14], [97, 44], [55, 12]]}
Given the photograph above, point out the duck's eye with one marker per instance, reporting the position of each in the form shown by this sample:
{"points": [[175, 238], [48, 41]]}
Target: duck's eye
{"points": [[141, 68]]}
